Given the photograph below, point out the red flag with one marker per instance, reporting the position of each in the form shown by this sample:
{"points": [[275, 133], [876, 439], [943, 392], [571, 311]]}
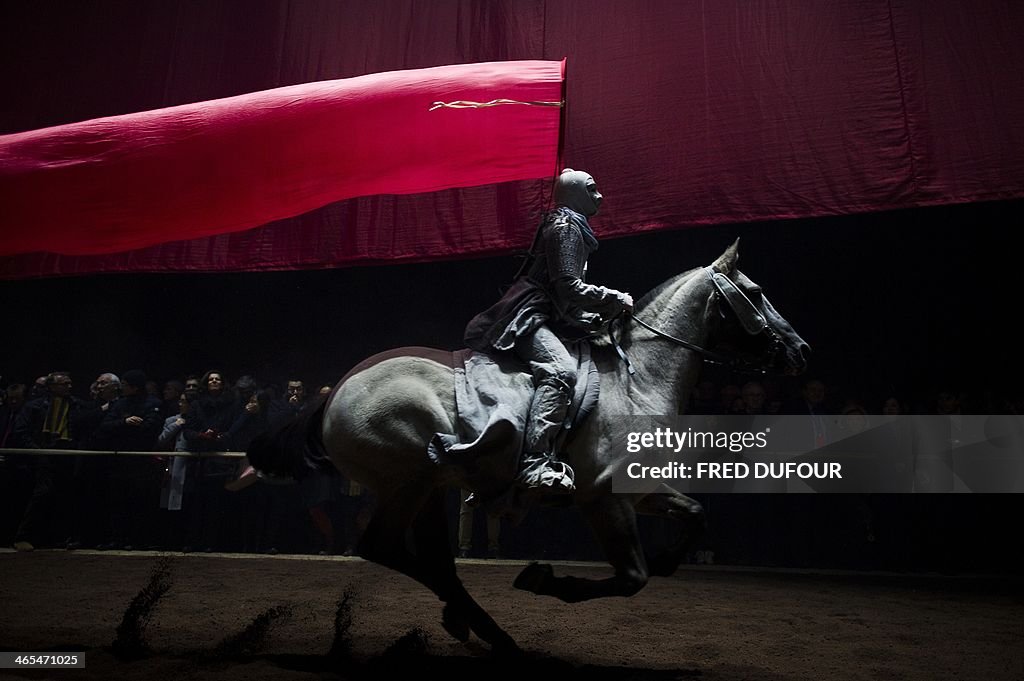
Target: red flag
{"points": [[125, 182]]}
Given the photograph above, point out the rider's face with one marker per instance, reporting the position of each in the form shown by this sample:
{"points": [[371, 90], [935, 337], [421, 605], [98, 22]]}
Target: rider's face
{"points": [[594, 195]]}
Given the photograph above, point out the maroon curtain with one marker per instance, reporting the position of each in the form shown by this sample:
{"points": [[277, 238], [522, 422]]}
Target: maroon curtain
{"points": [[686, 112]]}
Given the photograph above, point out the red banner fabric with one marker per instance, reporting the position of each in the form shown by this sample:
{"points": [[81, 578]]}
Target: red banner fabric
{"points": [[196, 170]]}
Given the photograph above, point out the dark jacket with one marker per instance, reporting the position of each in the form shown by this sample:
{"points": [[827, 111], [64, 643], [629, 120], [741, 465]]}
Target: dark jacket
{"points": [[114, 434], [206, 430], [282, 411], [28, 425]]}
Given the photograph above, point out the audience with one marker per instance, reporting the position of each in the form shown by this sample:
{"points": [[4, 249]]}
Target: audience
{"points": [[135, 501]]}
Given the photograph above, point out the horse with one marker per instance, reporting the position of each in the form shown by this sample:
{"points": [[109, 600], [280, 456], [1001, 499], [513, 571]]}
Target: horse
{"points": [[376, 424]]}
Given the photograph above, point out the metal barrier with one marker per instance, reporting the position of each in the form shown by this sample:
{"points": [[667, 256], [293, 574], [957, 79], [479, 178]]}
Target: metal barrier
{"points": [[95, 452]]}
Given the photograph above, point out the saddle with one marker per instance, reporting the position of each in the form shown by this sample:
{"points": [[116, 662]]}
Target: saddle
{"points": [[492, 398]]}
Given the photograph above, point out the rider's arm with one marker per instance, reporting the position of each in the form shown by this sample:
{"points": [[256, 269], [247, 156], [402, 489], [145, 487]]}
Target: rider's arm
{"points": [[567, 256]]}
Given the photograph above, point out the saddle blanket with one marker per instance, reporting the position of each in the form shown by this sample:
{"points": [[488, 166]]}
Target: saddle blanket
{"points": [[492, 398]]}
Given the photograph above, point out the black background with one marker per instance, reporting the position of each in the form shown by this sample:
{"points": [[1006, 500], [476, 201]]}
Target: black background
{"points": [[904, 301]]}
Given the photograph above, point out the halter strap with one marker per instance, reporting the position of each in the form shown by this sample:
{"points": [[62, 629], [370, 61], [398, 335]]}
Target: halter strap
{"points": [[751, 319], [708, 355]]}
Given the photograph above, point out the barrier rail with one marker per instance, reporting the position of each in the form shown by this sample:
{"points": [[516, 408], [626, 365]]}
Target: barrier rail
{"points": [[98, 452]]}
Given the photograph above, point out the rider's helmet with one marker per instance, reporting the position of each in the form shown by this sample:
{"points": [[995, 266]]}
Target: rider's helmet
{"points": [[577, 190]]}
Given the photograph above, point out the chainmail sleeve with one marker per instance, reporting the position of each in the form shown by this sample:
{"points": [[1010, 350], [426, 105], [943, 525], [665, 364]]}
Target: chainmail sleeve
{"points": [[566, 254]]}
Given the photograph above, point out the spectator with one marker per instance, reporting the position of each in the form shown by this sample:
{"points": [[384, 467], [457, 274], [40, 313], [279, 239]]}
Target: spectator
{"points": [[894, 406], [356, 504], [94, 474], [102, 393], [853, 419], [291, 405], [172, 390], [265, 505], [172, 438], [16, 476], [206, 430], [14, 400], [704, 399], [752, 397], [38, 389], [47, 423], [253, 418], [466, 513], [132, 424], [812, 403], [727, 396], [192, 388]]}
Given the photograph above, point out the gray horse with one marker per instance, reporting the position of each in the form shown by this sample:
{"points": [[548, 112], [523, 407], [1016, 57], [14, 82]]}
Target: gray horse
{"points": [[377, 423]]}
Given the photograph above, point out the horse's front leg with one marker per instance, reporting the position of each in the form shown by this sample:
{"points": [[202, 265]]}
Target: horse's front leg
{"points": [[613, 521], [666, 502]]}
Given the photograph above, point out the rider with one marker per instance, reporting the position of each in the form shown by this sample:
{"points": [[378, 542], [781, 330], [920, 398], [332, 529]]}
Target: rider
{"points": [[540, 309]]}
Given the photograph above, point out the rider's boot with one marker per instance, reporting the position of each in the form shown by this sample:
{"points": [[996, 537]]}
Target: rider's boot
{"points": [[538, 467], [542, 470]]}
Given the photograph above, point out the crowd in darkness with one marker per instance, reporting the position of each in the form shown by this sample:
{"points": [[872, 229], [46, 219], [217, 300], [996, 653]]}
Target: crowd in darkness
{"points": [[167, 500], [162, 501]]}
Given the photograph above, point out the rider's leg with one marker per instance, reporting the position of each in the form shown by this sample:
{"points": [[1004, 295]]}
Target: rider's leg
{"points": [[554, 374]]}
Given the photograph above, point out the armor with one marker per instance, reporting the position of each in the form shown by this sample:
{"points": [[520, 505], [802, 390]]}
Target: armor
{"points": [[552, 291], [547, 304]]}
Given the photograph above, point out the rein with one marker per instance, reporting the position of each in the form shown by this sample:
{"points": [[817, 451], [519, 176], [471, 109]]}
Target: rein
{"points": [[750, 318]]}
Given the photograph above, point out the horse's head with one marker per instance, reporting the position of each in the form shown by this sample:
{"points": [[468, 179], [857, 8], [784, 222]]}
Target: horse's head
{"points": [[751, 330]]}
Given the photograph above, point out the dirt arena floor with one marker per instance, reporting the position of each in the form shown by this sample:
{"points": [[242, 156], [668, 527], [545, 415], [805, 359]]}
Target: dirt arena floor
{"points": [[255, 617]]}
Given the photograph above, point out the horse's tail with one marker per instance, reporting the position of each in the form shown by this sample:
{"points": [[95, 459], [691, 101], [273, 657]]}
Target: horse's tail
{"points": [[295, 449]]}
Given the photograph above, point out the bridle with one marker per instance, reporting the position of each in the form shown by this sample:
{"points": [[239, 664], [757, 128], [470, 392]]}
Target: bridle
{"points": [[750, 318]]}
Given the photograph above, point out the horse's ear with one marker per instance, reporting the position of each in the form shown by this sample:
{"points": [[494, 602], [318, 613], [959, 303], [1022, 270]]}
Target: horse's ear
{"points": [[726, 262]]}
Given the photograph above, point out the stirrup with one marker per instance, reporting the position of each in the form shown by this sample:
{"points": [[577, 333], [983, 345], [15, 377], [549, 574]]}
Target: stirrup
{"points": [[540, 470]]}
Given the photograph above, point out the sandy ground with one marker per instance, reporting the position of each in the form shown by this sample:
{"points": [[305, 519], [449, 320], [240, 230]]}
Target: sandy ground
{"points": [[706, 622]]}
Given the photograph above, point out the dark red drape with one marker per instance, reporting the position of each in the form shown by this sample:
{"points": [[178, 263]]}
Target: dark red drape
{"points": [[687, 112]]}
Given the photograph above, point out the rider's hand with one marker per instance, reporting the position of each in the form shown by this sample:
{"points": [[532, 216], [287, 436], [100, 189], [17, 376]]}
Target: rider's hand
{"points": [[627, 302], [591, 320]]}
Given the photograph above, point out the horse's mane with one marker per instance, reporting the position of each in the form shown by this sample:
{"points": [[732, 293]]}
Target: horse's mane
{"points": [[603, 340], [654, 293]]}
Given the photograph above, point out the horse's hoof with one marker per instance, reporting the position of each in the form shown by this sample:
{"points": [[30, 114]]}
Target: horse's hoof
{"points": [[455, 623], [533, 577]]}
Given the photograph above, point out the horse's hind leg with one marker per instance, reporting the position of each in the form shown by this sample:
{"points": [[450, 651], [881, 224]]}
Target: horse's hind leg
{"points": [[421, 508], [430, 533]]}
